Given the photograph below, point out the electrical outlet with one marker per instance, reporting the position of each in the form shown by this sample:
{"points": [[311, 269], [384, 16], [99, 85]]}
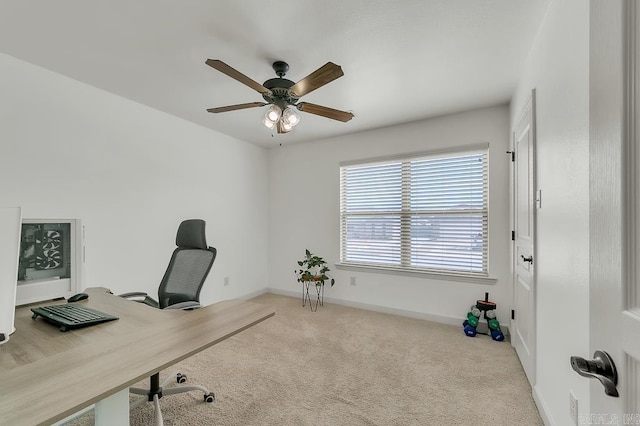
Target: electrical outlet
{"points": [[352, 281], [573, 407], [226, 280]]}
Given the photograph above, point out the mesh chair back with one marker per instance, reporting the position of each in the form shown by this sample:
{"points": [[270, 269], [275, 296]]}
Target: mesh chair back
{"points": [[189, 266]]}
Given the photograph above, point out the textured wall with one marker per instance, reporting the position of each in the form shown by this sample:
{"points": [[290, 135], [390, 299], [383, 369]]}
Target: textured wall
{"points": [[310, 171], [131, 174]]}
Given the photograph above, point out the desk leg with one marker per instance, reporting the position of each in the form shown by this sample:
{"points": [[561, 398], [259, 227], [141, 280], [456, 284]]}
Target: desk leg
{"points": [[113, 410]]}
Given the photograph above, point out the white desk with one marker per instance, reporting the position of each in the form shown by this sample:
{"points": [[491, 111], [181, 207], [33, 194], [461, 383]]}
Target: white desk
{"points": [[48, 375]]}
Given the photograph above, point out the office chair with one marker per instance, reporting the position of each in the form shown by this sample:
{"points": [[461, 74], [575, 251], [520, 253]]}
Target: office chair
{"points": [[180, 288]]}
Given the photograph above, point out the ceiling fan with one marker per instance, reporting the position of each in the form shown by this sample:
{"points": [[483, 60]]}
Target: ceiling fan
{"points": [[283, 94]]}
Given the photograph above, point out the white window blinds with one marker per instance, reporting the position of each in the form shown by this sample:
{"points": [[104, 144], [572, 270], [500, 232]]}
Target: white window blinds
{"points": [[427, 213]]}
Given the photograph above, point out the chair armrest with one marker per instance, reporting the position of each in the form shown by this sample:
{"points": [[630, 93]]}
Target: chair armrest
{"points": [[133, 294], [145, 298], [186, 306]]}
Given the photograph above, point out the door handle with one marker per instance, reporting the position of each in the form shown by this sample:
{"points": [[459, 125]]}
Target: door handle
{"points": [[601, 367], [527, 259]]}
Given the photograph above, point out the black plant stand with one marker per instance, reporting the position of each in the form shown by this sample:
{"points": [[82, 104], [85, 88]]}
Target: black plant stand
{"points": [[306, 295]]}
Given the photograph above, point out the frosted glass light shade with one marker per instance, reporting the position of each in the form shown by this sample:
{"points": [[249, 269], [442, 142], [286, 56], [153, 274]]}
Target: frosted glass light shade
{"points": [[291, 116], [273, 113], [268, 123]]}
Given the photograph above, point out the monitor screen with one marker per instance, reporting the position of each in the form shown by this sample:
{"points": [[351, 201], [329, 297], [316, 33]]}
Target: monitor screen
{"points": [[50, 261], [45, 251]]}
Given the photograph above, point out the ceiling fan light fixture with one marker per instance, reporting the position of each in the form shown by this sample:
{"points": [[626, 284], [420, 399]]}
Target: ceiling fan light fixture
{"points": [[291, 116], [286, 126], [273, 113], [268, 123]]}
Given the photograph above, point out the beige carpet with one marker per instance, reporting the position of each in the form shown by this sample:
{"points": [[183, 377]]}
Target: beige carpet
{"points": [[346, 366]]}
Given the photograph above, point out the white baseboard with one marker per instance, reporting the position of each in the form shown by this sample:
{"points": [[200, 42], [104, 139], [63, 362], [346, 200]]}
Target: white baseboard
{"points": [[386, 310], [253, 294], [542, 407]]}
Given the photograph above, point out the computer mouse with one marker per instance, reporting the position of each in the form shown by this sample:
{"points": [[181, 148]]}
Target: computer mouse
{"points": [[78, 297]]}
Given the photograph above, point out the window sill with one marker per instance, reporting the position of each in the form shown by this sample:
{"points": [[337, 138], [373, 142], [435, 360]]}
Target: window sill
{"points": [[417, 274]]}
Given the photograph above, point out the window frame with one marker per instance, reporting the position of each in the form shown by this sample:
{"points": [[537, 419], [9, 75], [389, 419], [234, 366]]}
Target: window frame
{"points": [[405, 215]]}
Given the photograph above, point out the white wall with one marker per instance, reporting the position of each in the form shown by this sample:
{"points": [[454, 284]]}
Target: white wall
{"points": [[304, 199], [558, 67], [131, 173]]}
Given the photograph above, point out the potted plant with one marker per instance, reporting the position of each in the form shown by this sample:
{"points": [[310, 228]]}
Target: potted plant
{"points": [[313, 269]]}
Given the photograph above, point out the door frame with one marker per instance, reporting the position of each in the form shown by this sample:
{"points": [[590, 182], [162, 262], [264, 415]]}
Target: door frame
{"points": [[529, 104]]}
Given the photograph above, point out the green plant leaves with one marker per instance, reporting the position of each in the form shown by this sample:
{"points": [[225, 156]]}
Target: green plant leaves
{"points": [[313, 268]]}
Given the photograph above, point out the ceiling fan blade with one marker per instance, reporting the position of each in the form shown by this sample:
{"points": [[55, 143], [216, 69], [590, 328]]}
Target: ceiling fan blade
{"points": [[237, 75], [334, 114], [238, 106], [323, 75]]}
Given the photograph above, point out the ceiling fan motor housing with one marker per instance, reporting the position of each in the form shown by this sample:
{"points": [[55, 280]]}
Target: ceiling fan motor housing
{"points": [[281, 68], [279, 87]]}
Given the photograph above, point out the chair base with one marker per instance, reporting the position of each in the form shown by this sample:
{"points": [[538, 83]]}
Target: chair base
{"points": [[156, 391]]}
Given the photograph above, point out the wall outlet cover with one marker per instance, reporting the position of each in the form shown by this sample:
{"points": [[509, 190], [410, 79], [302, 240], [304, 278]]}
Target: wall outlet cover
{"points": [[573, 407]]}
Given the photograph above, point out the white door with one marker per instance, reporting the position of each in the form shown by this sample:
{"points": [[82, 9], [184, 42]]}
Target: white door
{"points": [[523, 330], [614, 209]]}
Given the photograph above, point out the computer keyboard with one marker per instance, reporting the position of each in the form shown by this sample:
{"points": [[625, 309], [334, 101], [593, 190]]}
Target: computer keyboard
{"points": [[68, 317]]}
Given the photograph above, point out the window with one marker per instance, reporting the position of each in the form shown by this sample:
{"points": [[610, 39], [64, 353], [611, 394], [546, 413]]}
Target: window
{"points": [[426, 213]]}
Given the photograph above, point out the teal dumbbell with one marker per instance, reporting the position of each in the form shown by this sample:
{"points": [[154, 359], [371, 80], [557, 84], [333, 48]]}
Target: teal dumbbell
{"points": [[472, 319], [494, 324]]}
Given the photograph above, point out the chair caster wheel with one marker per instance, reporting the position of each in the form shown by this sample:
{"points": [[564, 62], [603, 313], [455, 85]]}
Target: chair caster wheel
{"points": [[181, 378], [210, 397]]}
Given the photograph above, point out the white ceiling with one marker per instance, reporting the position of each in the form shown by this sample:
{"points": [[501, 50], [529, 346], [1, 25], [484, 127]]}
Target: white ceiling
{"points": [[403, 60]]}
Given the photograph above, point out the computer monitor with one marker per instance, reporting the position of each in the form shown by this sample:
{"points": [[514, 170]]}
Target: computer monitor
{"points": [[51, 259], [10, 221]]}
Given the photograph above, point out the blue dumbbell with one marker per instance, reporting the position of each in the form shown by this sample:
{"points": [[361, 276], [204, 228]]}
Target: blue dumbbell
{"points": [[497, 335], [468, 329]]}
